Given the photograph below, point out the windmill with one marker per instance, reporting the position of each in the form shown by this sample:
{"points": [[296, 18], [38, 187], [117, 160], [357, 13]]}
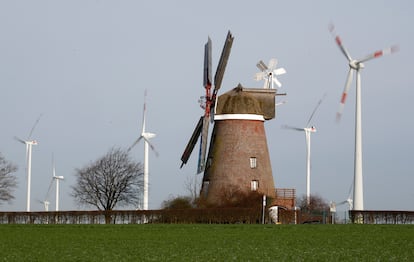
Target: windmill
{"points": [[269, 73], [356, 65], [29, 143], [208, 102], [308, 130], [146, 136]]}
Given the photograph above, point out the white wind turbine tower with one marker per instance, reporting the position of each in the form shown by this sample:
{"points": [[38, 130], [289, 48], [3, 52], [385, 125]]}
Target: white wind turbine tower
{"points": [[356, 65], [308, 130], [146, 136], [269, 73], [56, 178], [29, 143]]}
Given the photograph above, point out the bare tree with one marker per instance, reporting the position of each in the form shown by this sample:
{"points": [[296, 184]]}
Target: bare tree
{"points": [[8, 181], [317, 203], [112, 180]]}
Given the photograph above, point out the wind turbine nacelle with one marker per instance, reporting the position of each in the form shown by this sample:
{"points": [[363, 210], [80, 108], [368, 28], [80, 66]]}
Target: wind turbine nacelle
{"points": [[58, 177], [32, 142]]}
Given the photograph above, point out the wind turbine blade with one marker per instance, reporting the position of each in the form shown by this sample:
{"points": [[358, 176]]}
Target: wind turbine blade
{"points": [[53, 166], [272, 63], [35, 124], [281, 103], [49, 188], [221, 67], [191, 143], [20, 140], [261, 65], [259, 76], [292, 128], [279, 71], [276, 81], [135, 143], [144, 111], [339, 42], [152, 147], [314, 110], [379, 53], [344, 94]]}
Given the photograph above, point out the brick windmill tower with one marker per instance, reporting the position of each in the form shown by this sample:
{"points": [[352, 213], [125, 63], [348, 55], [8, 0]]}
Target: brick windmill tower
{"points": [[238, 158]]}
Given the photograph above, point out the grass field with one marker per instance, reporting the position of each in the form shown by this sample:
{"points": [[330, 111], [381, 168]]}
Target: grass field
{"points": [[159, 242]]}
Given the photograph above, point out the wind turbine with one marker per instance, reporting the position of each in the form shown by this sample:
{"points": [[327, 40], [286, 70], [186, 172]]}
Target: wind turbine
{"points": [[29, 143], [146, 136], [356, 65], [56, 178], [269, 73], [308, 130]]}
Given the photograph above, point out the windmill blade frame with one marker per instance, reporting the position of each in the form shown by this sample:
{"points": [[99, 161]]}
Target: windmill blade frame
{"points": [[201, 129], [261, 65], [207, 63], [221, 67], [192, 142]]}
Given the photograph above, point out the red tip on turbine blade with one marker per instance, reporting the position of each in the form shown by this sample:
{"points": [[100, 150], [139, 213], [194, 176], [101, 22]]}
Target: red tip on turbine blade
{"points": [[338, 40], [378, 53], [343, 98]]}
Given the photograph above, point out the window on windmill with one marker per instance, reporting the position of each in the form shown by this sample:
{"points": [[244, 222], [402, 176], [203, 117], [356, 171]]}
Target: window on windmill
{"points": [[254, 185], [253, 162], [206, 183], [208, 164]]}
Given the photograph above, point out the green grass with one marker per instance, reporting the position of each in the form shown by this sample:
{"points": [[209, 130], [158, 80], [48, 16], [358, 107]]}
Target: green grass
{"points": [[206, 242]]}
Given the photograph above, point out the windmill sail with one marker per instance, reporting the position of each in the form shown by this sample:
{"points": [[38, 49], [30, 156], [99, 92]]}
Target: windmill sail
{"points": [[203, 124]]}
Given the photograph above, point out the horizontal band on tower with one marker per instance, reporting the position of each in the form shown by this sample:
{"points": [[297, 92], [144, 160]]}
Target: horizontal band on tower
{"points": [[239, 117]]}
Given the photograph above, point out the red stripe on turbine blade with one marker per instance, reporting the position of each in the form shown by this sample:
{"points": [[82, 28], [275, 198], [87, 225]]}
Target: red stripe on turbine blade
{"points": [[378, 54], [343, 98], [338, 40]]}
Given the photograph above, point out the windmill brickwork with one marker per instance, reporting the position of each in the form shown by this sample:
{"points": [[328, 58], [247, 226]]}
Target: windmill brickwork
{"points": [[238, 160]]}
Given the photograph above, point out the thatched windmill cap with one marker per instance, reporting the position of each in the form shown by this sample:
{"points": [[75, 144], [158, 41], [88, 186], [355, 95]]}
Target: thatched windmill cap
{"points": [[253, 101]]}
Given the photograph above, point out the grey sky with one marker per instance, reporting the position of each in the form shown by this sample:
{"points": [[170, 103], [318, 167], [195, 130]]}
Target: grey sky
{"points": [[85, 65]]}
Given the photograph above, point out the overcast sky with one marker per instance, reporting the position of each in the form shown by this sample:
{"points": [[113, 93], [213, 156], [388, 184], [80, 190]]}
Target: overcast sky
{"points": [[84, 65]]}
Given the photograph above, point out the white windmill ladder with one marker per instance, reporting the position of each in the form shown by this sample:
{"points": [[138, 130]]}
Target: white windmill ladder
{"points": [[29, 143], [308, 130], [356, 65], [269, 73], [146, 136]]}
